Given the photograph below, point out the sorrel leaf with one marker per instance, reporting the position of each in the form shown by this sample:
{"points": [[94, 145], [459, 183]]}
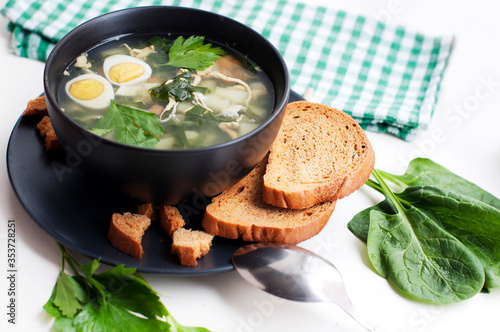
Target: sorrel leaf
{"points": [[178, 89]]}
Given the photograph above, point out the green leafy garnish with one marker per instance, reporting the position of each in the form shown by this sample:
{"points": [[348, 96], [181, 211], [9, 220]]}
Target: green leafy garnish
{"points": [[131, 126], [438, 239], [179, 89], [197, 119], [118, 299], [203, 117], [191, 53], [161, 44]]}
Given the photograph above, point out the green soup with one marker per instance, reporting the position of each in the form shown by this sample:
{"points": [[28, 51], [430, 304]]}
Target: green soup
{"points": [[166, 92]]}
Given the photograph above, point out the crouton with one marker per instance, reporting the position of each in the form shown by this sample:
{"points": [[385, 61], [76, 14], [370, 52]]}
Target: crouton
{"points": [[48, 133], [148, 210], [190, 245], [37, 106], [170, 219], [126, 231]]}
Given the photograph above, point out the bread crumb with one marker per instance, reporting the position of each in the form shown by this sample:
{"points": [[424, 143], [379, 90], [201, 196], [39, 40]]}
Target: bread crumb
{"points": [[37, 106], [170, 219], [126, 231], [190, 245], [47, 132]]}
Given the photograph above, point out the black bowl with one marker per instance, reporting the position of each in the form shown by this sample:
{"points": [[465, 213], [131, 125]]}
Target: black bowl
{"points": [[164, 176]]}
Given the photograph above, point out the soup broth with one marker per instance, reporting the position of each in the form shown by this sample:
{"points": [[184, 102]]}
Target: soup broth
{"points": [[166, 92]]}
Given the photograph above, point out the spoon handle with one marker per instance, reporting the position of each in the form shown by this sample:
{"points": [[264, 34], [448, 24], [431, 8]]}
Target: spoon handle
{"points": [[356, 315]]}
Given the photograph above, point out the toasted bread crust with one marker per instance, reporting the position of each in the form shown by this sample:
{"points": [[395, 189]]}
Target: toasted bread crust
{"points": [[37, 106], [148, 210], [126, 231], [240, 212], [320, 154], [48, 133], [170, 219], [260, 233], [190, 245]]}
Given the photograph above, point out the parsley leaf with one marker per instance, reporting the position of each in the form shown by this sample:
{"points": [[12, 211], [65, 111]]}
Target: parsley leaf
{"points": [[118, 299], [132, 126], [68, 295], [192, 53]]}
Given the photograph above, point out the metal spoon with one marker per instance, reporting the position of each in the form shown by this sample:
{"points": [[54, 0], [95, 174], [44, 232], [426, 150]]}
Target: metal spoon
{"points": [[294, 273]]}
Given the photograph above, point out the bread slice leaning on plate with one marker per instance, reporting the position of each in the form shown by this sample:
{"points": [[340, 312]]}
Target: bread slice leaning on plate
{"points": [[321, 154], [240, 212]]}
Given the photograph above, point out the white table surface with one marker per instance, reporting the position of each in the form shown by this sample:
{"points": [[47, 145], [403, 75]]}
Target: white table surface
{"points": [[464, 137]]}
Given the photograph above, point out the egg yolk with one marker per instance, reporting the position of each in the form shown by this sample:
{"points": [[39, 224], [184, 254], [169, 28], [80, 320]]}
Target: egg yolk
{"points": [[125, 72], [86, 89]]}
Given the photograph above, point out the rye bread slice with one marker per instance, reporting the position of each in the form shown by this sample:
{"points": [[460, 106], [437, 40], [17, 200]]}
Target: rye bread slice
{"points": [[321, 154], [240, 212]]}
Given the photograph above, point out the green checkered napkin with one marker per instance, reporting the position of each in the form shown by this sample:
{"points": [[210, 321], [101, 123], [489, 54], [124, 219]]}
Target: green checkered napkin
{"points": [[387, 77]]}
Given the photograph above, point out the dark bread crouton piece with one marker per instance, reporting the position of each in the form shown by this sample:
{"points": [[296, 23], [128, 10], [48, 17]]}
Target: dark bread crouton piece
{"points": [[126, 232], [148, 210], [37, 106], [52, 142], [190, 245], [170, 219], [44, 126], [48, 133]]}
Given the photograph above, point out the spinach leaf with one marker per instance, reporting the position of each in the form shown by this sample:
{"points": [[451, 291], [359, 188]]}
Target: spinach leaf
{"points": [[456, 209], [360, 223], [422, 259], [131, 126], [413, 252], [475, 223], [423, 171], [441, 201], [179, 89]]}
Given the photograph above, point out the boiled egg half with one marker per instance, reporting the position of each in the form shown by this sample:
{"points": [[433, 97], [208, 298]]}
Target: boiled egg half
{"points": [[123, 69], [90, 90]]}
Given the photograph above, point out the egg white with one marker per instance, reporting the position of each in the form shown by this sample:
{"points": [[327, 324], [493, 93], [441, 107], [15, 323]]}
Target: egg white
{"points": [[121, 58], [100, 102]]}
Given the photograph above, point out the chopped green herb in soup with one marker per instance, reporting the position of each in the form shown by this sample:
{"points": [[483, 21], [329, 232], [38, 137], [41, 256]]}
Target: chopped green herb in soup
{"points": [[166, 93]]}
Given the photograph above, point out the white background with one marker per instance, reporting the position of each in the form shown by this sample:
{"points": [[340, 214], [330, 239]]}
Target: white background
{"points": [[463, 136]]}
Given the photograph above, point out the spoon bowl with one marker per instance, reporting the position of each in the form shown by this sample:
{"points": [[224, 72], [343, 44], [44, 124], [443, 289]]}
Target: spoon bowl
{"points": [[294, 273]]}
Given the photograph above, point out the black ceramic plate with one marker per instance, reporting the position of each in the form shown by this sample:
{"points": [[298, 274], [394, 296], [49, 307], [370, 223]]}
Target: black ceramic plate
{"points": [[76, 211]]}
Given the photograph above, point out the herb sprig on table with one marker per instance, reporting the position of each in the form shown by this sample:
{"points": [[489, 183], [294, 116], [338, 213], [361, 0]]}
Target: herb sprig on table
{"points": [[438, 238], [118, 299]]}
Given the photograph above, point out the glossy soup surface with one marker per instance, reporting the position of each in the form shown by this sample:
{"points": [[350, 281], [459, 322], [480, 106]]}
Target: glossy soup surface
{"points": [[166, 92]]}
